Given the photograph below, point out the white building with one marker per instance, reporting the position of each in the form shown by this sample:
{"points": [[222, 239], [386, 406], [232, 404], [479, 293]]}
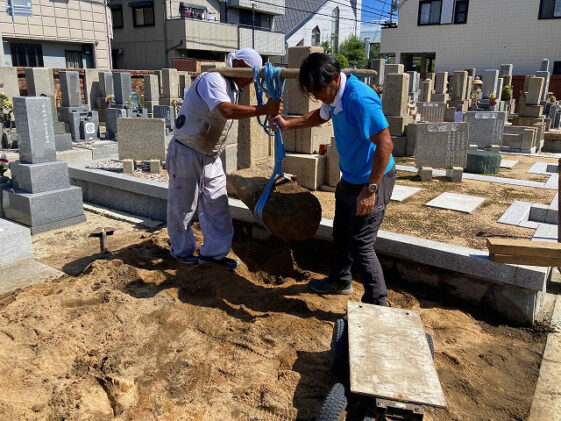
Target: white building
{"points": [[460, 34], [311, 22]]}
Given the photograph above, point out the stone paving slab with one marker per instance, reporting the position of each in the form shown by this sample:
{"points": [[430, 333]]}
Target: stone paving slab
{"points": [[508, 163], [540, 168], [457, 202], [400, 193]]}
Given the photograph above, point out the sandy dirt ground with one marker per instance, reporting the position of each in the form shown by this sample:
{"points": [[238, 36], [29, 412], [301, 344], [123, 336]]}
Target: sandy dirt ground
{"points": [[139, 336]]}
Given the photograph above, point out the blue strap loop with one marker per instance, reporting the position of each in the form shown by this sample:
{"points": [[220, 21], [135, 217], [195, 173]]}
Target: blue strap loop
{"points": [[273, 85]]}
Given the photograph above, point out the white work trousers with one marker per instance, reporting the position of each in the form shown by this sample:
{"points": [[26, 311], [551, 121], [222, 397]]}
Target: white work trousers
{"points": [[197, 179]]}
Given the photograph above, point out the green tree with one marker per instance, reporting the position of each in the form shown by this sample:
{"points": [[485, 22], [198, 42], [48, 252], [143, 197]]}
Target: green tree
{"points": [[375, 51], [353, 49], [327, 47], [342, 60]]}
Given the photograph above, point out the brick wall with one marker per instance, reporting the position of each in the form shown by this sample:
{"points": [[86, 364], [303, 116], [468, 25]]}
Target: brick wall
{"points": [[554, 85]]}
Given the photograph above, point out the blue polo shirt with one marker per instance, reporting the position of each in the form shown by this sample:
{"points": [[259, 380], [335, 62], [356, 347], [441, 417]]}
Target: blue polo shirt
{"points": [[361, 118]]}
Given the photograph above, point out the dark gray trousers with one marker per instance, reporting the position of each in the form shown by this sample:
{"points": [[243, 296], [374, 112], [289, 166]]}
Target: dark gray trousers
{"points": [[355, 236]]}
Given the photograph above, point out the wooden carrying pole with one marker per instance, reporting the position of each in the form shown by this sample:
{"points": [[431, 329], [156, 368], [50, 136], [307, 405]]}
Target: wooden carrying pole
{"points": [[286, 73]]}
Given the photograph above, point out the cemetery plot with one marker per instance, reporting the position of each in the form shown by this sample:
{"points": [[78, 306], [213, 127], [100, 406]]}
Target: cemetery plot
{"points": [[138, 333], [412, 217]]}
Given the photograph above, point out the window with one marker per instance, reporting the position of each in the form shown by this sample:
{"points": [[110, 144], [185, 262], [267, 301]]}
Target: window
{"points": [[27, 55], [550, 9], [315, 36], [335, 30], [73, 59], [556, 68], [429, 12], [262, 20], [117, 17], [143, 15], [461, 11]]}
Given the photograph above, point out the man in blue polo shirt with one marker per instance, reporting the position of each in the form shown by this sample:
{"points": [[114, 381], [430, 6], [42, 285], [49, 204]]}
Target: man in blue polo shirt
{"points": [[366, 162]]}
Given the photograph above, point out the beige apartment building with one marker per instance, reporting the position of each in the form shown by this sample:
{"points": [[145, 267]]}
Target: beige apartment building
{"points": [[60, 34], [170, 33]]}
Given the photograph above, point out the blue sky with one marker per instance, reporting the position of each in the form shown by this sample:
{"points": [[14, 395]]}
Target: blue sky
{"points": [[373, 10]]}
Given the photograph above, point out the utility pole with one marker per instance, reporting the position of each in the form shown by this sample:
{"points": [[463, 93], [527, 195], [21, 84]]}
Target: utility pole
{"points": [[393, 7], [166, 33], [253, 25]]}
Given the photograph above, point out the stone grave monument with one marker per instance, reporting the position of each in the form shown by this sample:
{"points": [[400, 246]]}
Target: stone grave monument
{"points": [[395, 102], [83, 123], [167, 112], [440, 88], [40, 82], [122, 107], [426, 91], [151, 92], [40, 196], [489, 89], [414, 86], [170, 87], [379, 65], [460, 91], [486, 128], [441, 145]]}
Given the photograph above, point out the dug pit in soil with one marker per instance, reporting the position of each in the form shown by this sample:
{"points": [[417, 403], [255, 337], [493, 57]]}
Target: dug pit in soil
{"points": [[140, 336]]}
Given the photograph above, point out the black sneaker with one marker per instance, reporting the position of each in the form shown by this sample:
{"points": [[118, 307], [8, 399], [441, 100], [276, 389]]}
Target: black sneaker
{"points": [[225, 261], [189, 260], [326, 286]]}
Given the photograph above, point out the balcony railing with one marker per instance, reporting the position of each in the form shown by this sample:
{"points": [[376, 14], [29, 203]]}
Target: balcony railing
{"points": [[199, 34]]}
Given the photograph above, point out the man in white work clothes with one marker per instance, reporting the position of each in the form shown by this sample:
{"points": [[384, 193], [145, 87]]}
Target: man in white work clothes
{"points": [[196, 178]]}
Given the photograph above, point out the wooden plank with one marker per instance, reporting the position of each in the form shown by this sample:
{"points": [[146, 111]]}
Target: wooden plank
{"points": [[286, 73], [389, 356], [522, 247], [526, 260]]}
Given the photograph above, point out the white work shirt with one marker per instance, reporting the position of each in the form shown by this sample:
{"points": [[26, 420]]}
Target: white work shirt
{"points": [[337, 102], [215, 89]]}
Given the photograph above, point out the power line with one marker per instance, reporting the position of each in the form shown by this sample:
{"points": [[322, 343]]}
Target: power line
{"points": [[374, 12], [307, 11]]}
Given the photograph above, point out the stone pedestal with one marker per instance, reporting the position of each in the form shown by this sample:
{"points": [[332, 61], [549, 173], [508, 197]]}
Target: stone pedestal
{"points": [[40, 196], [298, 102], [308, 140]]}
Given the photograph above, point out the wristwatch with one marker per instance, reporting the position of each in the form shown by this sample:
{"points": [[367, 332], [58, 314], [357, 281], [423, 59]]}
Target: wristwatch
{"points": [[373, 188]]}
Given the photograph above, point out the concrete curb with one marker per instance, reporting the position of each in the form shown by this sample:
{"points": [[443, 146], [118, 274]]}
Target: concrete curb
{"points": [[547, 398]]}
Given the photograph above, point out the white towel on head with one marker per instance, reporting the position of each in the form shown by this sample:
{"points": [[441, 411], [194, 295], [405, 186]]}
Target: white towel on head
{"points": [[251, 57]]}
